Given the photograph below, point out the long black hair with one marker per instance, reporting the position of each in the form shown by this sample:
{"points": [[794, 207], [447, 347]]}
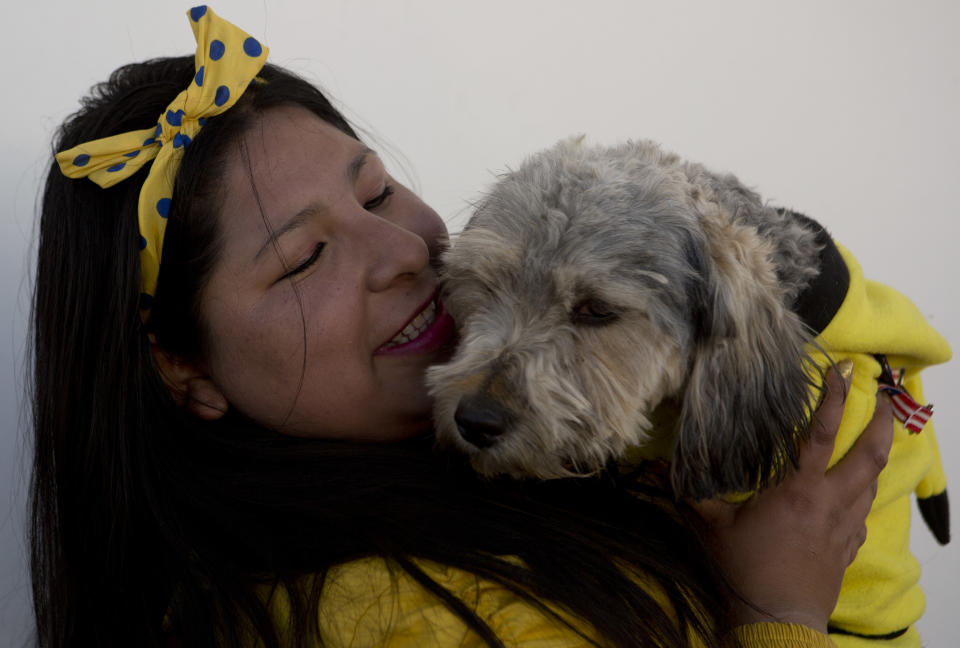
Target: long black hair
{"points": [[150, 526]]}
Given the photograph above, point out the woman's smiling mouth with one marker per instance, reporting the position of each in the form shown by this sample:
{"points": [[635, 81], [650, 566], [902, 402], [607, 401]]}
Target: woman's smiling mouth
{"points": [[427, 331]]}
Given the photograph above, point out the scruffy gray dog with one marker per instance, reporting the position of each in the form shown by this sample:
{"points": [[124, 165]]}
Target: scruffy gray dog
{"points": [[611, 299], [593, 285], [601, 289]]}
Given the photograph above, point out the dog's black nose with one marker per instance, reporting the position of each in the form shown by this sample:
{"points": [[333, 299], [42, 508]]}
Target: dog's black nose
{"points": [[480, 420]]}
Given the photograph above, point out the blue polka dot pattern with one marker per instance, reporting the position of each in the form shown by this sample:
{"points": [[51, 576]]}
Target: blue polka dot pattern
{"points": [[146, 301], [217, 48], [227, 61], [174, 118], [163, 207], [252, 47], [223, 95]]}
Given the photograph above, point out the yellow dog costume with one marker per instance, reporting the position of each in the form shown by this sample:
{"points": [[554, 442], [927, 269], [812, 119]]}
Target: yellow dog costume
{"points": [[881, 598]]}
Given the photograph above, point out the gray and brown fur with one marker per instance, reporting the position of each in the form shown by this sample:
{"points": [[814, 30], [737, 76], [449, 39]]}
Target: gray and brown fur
{"points": [[595, 284]]}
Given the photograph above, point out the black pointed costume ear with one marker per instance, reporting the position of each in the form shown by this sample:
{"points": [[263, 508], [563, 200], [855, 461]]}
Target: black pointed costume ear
{"points": [[936, 513], [748, 394]]}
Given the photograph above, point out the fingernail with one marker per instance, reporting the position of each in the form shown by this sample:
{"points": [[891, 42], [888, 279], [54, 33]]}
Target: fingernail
{"points": [[845, 368]]}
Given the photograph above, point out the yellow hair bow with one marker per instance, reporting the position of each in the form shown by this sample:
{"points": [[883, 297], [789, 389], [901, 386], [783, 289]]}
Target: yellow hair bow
{"points": [[227, 60]]}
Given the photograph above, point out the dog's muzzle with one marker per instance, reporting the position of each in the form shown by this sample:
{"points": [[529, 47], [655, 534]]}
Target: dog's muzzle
{"points": [[481, 420]]}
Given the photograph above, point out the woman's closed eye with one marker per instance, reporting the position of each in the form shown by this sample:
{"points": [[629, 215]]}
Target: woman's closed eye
{"points": [[305, 264], [375, 203], [379, 200]]}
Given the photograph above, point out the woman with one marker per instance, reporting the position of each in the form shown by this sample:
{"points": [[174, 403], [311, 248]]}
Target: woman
{"points": [[233, 443]]}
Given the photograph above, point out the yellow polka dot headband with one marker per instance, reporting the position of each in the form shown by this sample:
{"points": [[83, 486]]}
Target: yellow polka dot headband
{"points": [[227, 60]]}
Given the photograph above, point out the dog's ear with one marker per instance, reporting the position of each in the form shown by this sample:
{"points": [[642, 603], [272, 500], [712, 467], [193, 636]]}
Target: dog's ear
{"points": [[748, 393]]}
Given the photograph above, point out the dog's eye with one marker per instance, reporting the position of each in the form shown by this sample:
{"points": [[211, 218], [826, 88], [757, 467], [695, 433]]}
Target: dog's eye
{"points": [[593, 312]]}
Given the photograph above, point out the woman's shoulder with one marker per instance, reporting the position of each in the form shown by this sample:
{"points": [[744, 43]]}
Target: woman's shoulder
{"points": [[374, 602]]}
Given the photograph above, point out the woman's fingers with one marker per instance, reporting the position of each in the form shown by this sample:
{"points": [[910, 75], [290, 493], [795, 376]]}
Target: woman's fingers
{"points": [[856, 475], [858, 470], [815, 455], [786, 549], [852, 516], [856, 543]]}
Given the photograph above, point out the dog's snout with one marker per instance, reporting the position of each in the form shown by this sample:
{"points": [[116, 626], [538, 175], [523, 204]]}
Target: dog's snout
{"points": [[480, 420]]}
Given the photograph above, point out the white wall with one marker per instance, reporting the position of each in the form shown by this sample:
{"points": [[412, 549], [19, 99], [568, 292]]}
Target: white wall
{"points": [[847, 111]]}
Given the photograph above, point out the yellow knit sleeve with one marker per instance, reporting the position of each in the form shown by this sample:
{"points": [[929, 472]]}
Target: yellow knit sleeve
{"points": [[781, 635]]}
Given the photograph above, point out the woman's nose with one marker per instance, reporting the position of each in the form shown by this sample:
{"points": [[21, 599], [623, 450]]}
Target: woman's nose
{"points": [[396, 254]]}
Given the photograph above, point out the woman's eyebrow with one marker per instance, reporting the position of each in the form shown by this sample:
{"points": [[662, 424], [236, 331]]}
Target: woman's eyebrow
{"points": [[301, 217], [353, 169], [313, 209]]}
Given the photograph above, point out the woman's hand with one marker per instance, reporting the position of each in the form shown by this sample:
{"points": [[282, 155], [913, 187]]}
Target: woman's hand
{"points": [[785, 551]]}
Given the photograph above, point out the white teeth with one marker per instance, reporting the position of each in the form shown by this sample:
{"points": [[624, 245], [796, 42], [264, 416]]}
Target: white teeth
{"points": [[418, 325]]}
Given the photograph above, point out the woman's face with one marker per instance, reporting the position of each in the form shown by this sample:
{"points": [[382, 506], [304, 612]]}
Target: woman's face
{"points": [[322, 310]]}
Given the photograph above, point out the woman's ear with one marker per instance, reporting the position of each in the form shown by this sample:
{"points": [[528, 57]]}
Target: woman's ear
{"points": [[188, 384]]}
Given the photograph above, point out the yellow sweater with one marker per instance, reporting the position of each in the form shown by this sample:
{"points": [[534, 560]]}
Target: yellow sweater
{"points": [[880, 593], [365, 604]]}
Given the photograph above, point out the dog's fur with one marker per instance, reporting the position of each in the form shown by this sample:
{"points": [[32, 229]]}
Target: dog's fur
{"points": [[595, 284]]}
